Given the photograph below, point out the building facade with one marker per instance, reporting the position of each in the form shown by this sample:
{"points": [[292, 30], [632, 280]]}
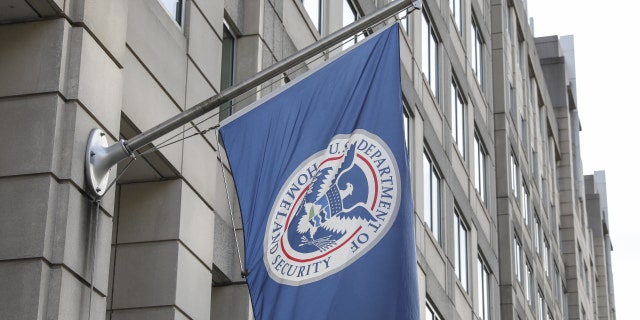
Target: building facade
{"points": [[506, 226]]}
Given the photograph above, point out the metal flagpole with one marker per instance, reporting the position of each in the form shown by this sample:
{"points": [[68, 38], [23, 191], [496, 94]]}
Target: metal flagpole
{"points": [[100, 157]]}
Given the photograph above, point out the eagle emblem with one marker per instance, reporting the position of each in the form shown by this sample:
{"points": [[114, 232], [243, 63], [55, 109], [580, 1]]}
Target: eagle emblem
{"points": [[332, 209], [326, 206]]}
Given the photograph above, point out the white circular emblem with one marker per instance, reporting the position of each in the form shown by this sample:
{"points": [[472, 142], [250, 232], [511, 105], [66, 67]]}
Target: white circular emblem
{"points": [[332, 209]]}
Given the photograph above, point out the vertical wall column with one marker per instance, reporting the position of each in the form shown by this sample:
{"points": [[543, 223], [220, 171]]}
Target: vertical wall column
{"points": [[163, 253], [60, 78]]}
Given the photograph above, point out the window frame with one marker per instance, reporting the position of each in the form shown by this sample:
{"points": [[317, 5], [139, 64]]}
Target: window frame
{"points": [[406, 124], [529, 285], [524, 202], [433, 221], [515, 174], [458, 117], [546, 255], [178, 15], [318, 24], [348, 4], [226, 109], [484, 290], [477, 52], [455, 8], [430, 60], [461, 245], [517, 257], [480, 175], [431, 311]]}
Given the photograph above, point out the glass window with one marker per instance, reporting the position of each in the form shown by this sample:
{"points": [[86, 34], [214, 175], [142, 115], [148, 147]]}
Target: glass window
{"points": [[350, 15], [525, 203], [580, 261], [484, 291], [477, 56], [540, 305], [557, 282], [314, 9], [565, 303], [512, 101], [458, 117], [586, 277], [528, 283], [175, 9], [430, 67], [227, 70], [406, 21], [430, 311], [405, 123], [456, 12], [545, 256], [480, 168], [431, 207], [536, 231], [515, 177], [460, 231], [517, 258]]}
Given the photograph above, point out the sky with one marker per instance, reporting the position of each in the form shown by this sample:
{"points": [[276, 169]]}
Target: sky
{"points": [[607, 70]]}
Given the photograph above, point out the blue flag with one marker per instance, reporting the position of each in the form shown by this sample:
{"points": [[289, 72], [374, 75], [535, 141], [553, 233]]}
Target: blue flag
{"points": [[323, 181]]}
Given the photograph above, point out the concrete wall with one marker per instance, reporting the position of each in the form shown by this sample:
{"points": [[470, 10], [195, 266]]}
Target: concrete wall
{"points": [[61, 77]]}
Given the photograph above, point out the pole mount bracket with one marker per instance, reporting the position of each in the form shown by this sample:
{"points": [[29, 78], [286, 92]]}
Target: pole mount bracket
{"points": [[99, 159]]}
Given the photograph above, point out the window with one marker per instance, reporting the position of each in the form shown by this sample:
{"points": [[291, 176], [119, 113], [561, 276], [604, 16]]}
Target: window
{"points": [[431, 197], [477, 56], [227, 70], [517, 258], [484, 291], [314, 9], [524, 129], [480, 168], [540, 305], [522, 51], [536, 231], [350, 15], [458, 117], [514, 175], [565, 303], [525, 203], [456, 12], [512, 101], [557, 282], [507, 18], [460, 237], [405, 125], [430, 54], [175, 9], [528, 282], [585, 279], [405, 21], [545, 256], [430, 311]]}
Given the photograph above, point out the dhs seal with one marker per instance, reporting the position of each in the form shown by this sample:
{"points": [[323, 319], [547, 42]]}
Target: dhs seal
{"points": [[335, 207]]}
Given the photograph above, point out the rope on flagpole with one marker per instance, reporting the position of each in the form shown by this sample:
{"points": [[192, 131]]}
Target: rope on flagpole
{"points": [[95, 217], [243, 271]]}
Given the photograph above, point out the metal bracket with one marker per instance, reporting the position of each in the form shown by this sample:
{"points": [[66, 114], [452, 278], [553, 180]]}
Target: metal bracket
{"points": [[99, 159], [417, 4]]}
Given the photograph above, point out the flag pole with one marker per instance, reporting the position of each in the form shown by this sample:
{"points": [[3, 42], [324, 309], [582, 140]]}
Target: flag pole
{"points": [[100, 157]]}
